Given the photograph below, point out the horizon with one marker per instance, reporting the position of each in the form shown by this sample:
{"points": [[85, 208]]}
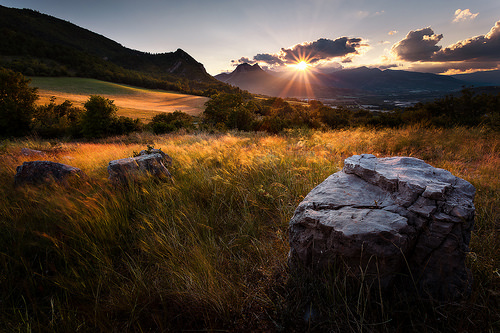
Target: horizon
{"points": [[316, 35]]}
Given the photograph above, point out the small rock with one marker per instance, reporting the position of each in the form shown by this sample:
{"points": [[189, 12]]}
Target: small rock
{"points": [[165, 158], [38, 172], [130, 168], [32, 152]]}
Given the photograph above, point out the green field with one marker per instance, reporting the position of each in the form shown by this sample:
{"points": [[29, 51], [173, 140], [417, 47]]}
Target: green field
{"points": [[131, 101], [208, 252]]}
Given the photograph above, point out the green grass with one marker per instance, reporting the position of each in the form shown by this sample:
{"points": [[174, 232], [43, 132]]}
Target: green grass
{"points": [[131, 101], [83, 86], [209, 251]]}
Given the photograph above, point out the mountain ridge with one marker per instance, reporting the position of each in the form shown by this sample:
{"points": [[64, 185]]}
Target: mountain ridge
{"points": [[38, 44], [354, 80]]}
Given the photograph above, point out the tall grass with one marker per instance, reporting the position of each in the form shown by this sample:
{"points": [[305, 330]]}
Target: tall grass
{"points": [[209, 250]]}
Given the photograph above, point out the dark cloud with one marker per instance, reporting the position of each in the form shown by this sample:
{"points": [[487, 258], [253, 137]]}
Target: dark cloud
{"points": [[419, 45], [453, 66], [387, 66], [312, 52], [242, 60], [322, 49], [478, 49], [270, 59]]}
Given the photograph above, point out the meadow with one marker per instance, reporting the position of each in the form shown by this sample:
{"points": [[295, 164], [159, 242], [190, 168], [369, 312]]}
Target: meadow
{"points": [[208, 251], [131, 101]]}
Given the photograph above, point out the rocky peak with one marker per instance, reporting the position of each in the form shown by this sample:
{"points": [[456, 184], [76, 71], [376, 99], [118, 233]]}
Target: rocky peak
{"points": [[247, 68]]}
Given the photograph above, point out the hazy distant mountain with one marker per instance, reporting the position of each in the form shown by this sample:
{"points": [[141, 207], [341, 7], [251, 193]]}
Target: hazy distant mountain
{"points": [[257, 81], [39, 44], [487, 78], [376, 80], [253, 79], [355, 81]]}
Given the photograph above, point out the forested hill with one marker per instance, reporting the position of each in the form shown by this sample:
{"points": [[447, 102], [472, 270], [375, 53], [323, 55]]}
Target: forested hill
{"points": [[37, 44]]}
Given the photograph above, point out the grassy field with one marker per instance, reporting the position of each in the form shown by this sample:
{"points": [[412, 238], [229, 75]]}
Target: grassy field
{"points": [[131, 101], [208, 251]]}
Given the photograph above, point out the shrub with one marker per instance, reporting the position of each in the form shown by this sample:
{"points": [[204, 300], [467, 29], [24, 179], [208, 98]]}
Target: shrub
{"points": [[99, 116], [169, 122], [17, 103], [52, 120]]}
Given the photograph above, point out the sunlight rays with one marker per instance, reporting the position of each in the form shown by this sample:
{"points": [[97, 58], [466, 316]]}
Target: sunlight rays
{"points": [[302, 77]]}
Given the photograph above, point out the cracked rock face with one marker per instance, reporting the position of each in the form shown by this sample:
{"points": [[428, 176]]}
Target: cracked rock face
{"points": [[384, 218]]}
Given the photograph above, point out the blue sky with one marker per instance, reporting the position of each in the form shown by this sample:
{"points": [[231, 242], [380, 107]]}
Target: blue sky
{"points": [[440, 36]]}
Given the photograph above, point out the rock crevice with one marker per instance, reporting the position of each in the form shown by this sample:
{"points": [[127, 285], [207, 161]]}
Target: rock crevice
{"points": [[393, 213]]}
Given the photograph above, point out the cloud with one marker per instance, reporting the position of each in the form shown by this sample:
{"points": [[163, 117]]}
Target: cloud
{"points": [[393, 32], [421, 50], [269, 59], [242, 60], [452, 67], [322, 49], [464, 15], [480, 48], [382, 67], [316, 52], [419, 45]]}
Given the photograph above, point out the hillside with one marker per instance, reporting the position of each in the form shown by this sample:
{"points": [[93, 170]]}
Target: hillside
{"points": [[131, 101], [37, 44]]}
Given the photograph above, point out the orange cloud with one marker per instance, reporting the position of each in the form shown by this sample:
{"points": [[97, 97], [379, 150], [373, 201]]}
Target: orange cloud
{"points": [[464, 15]]}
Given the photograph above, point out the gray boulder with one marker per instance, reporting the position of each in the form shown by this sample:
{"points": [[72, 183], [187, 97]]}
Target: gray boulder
{"points": [[126, 169], [383, 218], [38, 172]]}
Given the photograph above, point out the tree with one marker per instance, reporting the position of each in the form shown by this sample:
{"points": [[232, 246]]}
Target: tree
{"points": [[169, 122], [99, 117], [56, 120], [220, 107], [17, 103]]}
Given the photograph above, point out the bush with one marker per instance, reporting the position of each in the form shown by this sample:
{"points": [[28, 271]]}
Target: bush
{"points": [[52, 120], [17, 103], [169, 122], [99, 116]]}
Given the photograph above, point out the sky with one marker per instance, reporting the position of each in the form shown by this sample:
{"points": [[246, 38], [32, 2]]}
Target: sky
{"points": [[438, 36]]}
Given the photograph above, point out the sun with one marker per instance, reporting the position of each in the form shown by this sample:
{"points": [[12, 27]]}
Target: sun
{"points": [[302, 65]]}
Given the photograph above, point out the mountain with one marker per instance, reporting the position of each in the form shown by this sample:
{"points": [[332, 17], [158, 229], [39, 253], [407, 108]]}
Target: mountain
{"points": [[360, 80], [486, 78], [39, 44], [254, 79], [376, 80]]}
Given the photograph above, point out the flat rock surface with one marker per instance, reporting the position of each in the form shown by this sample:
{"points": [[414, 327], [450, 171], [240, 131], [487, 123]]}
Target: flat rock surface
{"points": [[382, 215]]}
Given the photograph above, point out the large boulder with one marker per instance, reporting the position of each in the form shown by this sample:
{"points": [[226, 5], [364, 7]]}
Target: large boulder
{"points": [[126, 169], [38, 172], [383, 218]]}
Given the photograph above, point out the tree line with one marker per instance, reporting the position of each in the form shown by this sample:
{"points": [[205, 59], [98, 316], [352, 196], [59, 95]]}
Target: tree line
{"points": [[20, 116]]}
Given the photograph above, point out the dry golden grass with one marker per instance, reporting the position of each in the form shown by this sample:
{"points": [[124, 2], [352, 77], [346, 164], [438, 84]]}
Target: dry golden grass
{"points": [[209, 251], [131, 102]]}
